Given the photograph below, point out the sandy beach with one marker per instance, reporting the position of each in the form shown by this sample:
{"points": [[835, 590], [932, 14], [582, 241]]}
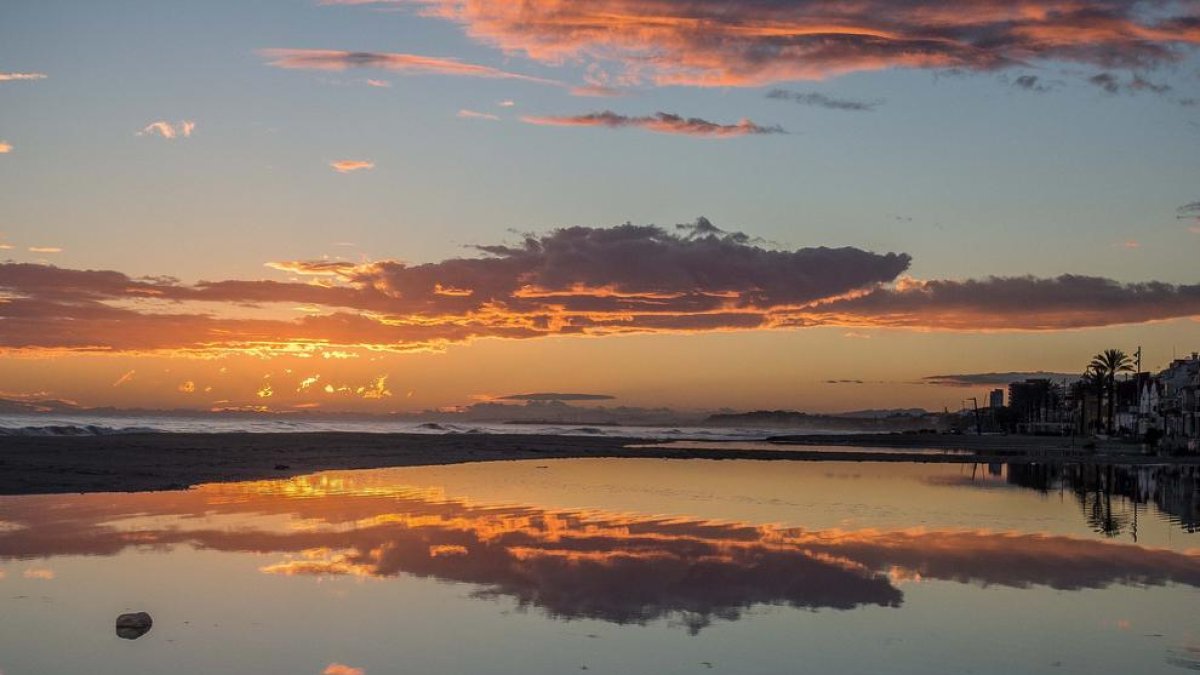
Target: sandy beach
{"points": [[142, 462]]}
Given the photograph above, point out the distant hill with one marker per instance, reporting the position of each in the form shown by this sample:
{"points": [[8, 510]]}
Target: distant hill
{"points": [[865, 420], [887, 412]]}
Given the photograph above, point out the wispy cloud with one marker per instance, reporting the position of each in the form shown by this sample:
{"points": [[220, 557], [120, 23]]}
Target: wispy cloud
{"points": [[125, 378], [351, 165], [715, 43], [342, 669], [662, 122], [820, 100], [334, 60], [1113, 84], [18, 77], [164, 129], [382, 84], [45, 249], [507, 103], [1034, 83], [1128, 244], [473, 115], [5, 147]]}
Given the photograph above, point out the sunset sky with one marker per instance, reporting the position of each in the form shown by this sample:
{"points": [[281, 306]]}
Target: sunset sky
{"points": [[417, 204]]}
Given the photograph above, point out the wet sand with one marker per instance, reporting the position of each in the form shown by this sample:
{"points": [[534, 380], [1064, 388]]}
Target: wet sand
{"points": [[141, 462]]}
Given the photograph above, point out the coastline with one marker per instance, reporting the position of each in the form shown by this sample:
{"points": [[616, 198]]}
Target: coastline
{"points": [[175, 461]]}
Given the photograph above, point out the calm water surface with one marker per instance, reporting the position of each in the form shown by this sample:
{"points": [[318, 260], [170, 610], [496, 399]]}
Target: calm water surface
{"points": [[616, 566]]}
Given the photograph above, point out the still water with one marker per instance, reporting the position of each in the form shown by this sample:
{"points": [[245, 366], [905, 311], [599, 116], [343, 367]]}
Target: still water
{"points": [[616, 566]]}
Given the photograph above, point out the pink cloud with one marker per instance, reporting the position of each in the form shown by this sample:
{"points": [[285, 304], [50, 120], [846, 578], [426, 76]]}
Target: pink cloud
{"points": [[715, 43], [182, 129]]}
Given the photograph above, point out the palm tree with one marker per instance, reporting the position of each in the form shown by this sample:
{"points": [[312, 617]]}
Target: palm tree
{"points": [[1110, 362]]}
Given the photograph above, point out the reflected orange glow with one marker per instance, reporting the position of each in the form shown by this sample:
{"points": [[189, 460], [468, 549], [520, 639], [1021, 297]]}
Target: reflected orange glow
{"points": [[617, 567]]}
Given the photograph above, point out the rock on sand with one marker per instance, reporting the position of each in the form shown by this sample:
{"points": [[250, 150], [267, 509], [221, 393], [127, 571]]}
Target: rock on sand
{"points": [[133, 626]]}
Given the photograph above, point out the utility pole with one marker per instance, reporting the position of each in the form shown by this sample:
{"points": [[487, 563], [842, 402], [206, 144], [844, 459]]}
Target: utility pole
{"points": [[1137, 392], [978, 425]]}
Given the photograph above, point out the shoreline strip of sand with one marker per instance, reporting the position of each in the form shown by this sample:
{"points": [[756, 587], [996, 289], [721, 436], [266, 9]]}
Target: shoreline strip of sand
{"points": [[161, 461]]}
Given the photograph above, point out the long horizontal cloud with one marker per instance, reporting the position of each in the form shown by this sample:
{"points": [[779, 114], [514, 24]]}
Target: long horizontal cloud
{"points": [[336, 60], [1005, 303], [994, 379], [551, 396], [666, 123], [571, 281], [756, 42]]}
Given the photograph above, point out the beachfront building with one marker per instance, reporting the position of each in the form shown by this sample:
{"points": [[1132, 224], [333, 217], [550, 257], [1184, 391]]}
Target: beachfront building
{"points": [[1179, 404]]}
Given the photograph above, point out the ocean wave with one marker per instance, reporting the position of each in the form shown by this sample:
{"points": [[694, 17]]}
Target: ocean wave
{"points": [[74, 430], [101, 425]]}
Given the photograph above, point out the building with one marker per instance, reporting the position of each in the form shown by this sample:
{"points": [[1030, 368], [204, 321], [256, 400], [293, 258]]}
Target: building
{"points": [[1179, 404], [996, 398], [1037, 406]]}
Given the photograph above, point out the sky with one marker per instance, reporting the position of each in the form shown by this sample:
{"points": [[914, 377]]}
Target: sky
{"points": [[421, 204]]}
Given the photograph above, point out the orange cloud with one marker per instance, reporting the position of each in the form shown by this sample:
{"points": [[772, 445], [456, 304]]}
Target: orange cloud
{"points": [[45, 249], [188, 387], [351, 165], [335, 60], [5, 147], [666, 123], [168, 130], [342, 669], [572, 281], [714, 43]]}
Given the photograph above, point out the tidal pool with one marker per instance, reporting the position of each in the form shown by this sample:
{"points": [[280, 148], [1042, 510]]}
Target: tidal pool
{"points": [[616, 566]]}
